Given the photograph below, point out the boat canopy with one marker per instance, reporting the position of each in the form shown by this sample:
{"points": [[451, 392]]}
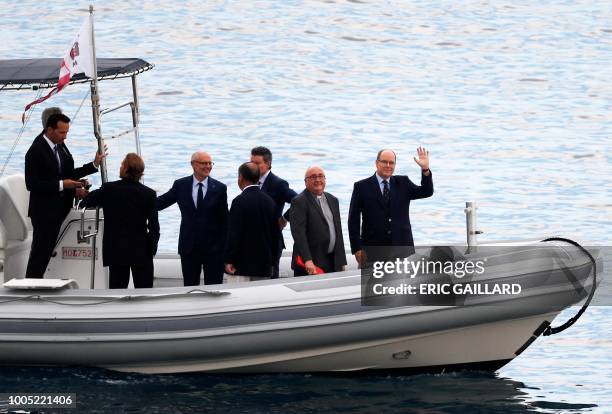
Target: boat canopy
{"points": [[35, 74]]}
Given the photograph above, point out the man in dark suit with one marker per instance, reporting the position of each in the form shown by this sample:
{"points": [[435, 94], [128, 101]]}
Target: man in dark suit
{"points": [[131, 228], [253, 229], [203, 204], [316, 228], [278, 189], [53, 183], [379, 210]]}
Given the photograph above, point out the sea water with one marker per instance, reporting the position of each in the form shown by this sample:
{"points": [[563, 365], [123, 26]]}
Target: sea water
{"points": [[512, 99]]}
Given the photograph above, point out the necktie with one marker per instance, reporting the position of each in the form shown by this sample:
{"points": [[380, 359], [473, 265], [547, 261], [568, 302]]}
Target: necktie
{"points": [[200, 196], [386, 191], [58, 158], [259, 184]]}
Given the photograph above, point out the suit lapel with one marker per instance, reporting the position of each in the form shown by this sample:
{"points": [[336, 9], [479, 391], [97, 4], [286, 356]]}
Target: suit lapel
{"points": [[393, 191], [315, 204], [335, 209], [46, 149], [188, 192], [64, 154], [269, 180], [376, 186], [209, 190]]}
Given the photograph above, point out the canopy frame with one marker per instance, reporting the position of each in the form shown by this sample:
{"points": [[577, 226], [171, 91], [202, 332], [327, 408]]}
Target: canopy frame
{"points": [[45, 72]]}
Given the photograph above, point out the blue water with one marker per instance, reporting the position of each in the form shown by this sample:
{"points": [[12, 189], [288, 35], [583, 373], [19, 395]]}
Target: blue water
{"points": [[513, 100]]}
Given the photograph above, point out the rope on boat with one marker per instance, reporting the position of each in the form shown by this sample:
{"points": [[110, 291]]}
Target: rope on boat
{"points": [[116, 299], [80, 106], [23, 126], [555, 330], [25, 123]]}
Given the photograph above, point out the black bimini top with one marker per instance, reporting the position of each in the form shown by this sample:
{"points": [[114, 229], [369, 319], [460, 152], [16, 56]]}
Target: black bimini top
{"points": [[44, 73]]}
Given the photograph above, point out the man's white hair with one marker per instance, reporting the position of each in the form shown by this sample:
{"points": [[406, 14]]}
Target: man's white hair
{"points": [[195, 155], [52, 110]]}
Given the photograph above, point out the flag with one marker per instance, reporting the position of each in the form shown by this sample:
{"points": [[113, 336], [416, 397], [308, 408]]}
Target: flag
{"points": [[78, 59]]}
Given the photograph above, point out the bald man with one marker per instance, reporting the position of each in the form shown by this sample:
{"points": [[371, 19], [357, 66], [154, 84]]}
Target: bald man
{"points": [[379, 214], [252, 245], [316, 228], [203, 204]]}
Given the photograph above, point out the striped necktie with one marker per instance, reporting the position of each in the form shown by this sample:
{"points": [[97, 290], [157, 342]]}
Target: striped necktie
{"points": [[386, 191]]}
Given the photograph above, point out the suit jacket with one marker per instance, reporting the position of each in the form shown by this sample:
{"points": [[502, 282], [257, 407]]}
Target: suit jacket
{"points": [[311, 233], [378, 226], [278, 189], [42, 176], [252, 245], [131, 228], [207, 225]]}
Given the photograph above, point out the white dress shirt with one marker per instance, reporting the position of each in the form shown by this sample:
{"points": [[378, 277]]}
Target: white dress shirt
{"points": [[194, 189]]}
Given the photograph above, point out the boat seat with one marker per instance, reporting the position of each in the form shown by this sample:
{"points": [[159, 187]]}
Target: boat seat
{"points": [[14, 200], [15, 225]]}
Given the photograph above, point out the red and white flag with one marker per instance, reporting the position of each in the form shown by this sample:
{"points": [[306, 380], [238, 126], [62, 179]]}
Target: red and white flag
{"points": [[78, 59]]}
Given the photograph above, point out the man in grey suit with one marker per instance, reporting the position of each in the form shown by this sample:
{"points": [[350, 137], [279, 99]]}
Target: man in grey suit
{"points": [[315, 225]]}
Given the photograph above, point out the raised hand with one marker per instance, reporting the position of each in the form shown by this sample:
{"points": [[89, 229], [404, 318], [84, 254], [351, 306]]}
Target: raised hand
{"points": [[100, 156], [423, 160]]}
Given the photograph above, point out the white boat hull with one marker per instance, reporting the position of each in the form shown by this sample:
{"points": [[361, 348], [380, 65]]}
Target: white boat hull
{"points": [[486, 346]]}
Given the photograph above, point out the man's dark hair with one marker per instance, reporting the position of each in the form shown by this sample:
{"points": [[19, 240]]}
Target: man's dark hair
{"points": [[250, 172], [134, 166], [55, 118], [264, 152]]}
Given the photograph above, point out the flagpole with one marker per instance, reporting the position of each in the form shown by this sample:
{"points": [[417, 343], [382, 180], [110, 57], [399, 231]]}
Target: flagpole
{"points": [[95, 100], [95, 108]]}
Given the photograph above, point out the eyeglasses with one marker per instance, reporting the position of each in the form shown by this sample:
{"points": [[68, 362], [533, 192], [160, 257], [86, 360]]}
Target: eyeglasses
{"points": [[316, 177], [385, 162], [205, 163]]}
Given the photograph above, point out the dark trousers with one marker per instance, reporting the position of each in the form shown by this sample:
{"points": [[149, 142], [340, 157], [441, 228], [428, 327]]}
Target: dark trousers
{"points": [[193, 264], [327, 265], [44, 238], [119, 275]]}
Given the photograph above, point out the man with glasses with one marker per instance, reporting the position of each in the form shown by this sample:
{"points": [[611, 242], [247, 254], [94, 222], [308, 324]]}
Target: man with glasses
{"points": [[203, 204], [318, 245], [379, 209]]}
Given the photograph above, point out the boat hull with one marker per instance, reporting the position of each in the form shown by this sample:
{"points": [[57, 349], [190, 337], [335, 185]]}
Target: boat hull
{"points": [[309, 324]]}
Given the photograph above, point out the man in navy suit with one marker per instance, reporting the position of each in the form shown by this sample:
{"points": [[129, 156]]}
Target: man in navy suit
{"points": [[253, 229], [203, 204], [278, 189], [379, 209], [53, 183]]}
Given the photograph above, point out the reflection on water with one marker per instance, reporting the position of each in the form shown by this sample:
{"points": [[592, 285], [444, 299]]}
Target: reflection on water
{"points": [[100, 391], [512, 101]]}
